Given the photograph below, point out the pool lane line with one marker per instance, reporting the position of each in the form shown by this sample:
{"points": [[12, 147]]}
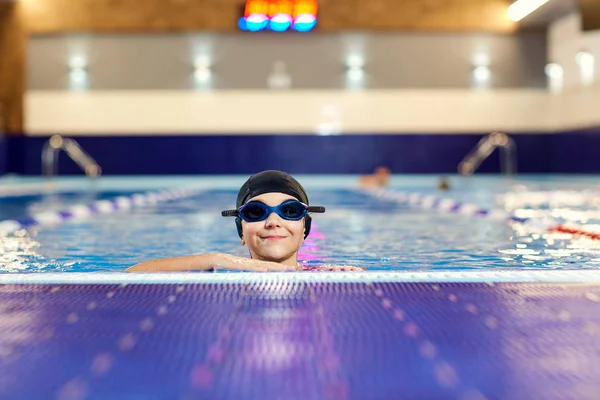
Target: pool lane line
{"points": [[85, 211], [575, 231], [430, 202]]}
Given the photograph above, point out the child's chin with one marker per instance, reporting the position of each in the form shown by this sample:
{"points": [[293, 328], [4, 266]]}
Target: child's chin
{"points": [[274, 255]]}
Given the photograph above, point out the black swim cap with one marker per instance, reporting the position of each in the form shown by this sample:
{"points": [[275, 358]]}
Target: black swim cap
{"points": [[271, 182]]}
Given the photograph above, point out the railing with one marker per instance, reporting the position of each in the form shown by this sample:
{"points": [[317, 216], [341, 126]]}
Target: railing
{"points": [[485, 147], [50, 154]]}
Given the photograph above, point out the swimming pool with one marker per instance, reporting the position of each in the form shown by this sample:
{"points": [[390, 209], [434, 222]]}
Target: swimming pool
{"points": [[454, 303]]}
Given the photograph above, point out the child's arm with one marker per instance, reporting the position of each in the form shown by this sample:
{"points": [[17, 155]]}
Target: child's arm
{"points": [[208, 262]]}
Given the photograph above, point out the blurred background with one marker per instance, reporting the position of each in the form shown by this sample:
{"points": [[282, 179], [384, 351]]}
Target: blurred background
{"points": [[306, 86]]}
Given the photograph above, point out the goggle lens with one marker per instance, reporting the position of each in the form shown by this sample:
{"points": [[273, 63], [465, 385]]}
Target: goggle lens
{"points": [[253, 212], [293, 210]]}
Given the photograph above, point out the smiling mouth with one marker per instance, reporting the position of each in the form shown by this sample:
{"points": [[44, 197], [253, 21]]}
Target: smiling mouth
{"points": [[274, 237]]}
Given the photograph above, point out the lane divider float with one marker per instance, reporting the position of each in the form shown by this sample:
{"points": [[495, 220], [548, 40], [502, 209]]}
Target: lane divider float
{"points": [[456, 207], [85, 211], [431, 202]]}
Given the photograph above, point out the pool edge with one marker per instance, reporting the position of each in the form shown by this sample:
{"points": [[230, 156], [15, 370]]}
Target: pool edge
{"points": [[307, 277]]}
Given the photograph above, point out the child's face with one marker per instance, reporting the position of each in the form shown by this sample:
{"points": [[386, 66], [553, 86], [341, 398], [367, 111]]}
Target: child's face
{"points": [[274, 239]]}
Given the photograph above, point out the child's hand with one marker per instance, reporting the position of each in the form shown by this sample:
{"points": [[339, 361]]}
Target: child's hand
{"points": [[233, 263], [342, 268]]}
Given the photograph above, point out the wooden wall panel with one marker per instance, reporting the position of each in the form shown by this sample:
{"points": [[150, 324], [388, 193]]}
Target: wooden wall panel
{"points": [[45, 16], [12, 67], [590, 14]]}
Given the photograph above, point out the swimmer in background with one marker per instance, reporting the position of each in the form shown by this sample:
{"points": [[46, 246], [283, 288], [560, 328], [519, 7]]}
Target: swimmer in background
{"points": [[380, 178], [444, 184], [273, 219]]}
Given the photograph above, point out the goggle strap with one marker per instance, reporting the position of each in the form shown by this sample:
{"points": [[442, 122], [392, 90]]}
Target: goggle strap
{"points": [[311, 209]]}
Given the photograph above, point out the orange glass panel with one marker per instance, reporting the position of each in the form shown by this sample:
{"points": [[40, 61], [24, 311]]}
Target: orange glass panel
{"points": [[281, 7], [253, 7], [303, 7]]}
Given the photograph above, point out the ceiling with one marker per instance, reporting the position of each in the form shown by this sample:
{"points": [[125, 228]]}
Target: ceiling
{"points": [[548, 13]]}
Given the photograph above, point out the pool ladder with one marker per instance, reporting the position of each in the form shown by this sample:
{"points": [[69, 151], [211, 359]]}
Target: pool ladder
{"points": [[485, 147], [50, 157]]}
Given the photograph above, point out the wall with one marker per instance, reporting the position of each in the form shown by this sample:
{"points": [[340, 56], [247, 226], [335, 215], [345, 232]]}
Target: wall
{"points": [[169, 127], [145, 83], [301, 112], [3, 154], [242, 132], [51, 16], [565, 39], [568, 152], [309, 112], [20, 19], [244, 61]]}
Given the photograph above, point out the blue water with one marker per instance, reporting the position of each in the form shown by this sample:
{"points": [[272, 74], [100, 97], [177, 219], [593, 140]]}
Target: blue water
{"points": [[357, 229]]}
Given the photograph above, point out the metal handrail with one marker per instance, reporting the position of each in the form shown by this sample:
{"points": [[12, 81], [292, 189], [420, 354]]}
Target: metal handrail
{"points": [[50, 157], [485, 147]]}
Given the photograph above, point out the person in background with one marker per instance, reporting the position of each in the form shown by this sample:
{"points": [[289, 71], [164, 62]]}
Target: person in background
{"points": [[272, 217], [444, 184], [380, 178]]}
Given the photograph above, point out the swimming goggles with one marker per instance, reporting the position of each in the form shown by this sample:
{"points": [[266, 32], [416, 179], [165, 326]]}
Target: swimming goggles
{"points": [[255, 211]]}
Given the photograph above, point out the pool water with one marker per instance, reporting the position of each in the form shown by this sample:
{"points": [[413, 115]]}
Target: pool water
{"points": [[357, 229]]}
